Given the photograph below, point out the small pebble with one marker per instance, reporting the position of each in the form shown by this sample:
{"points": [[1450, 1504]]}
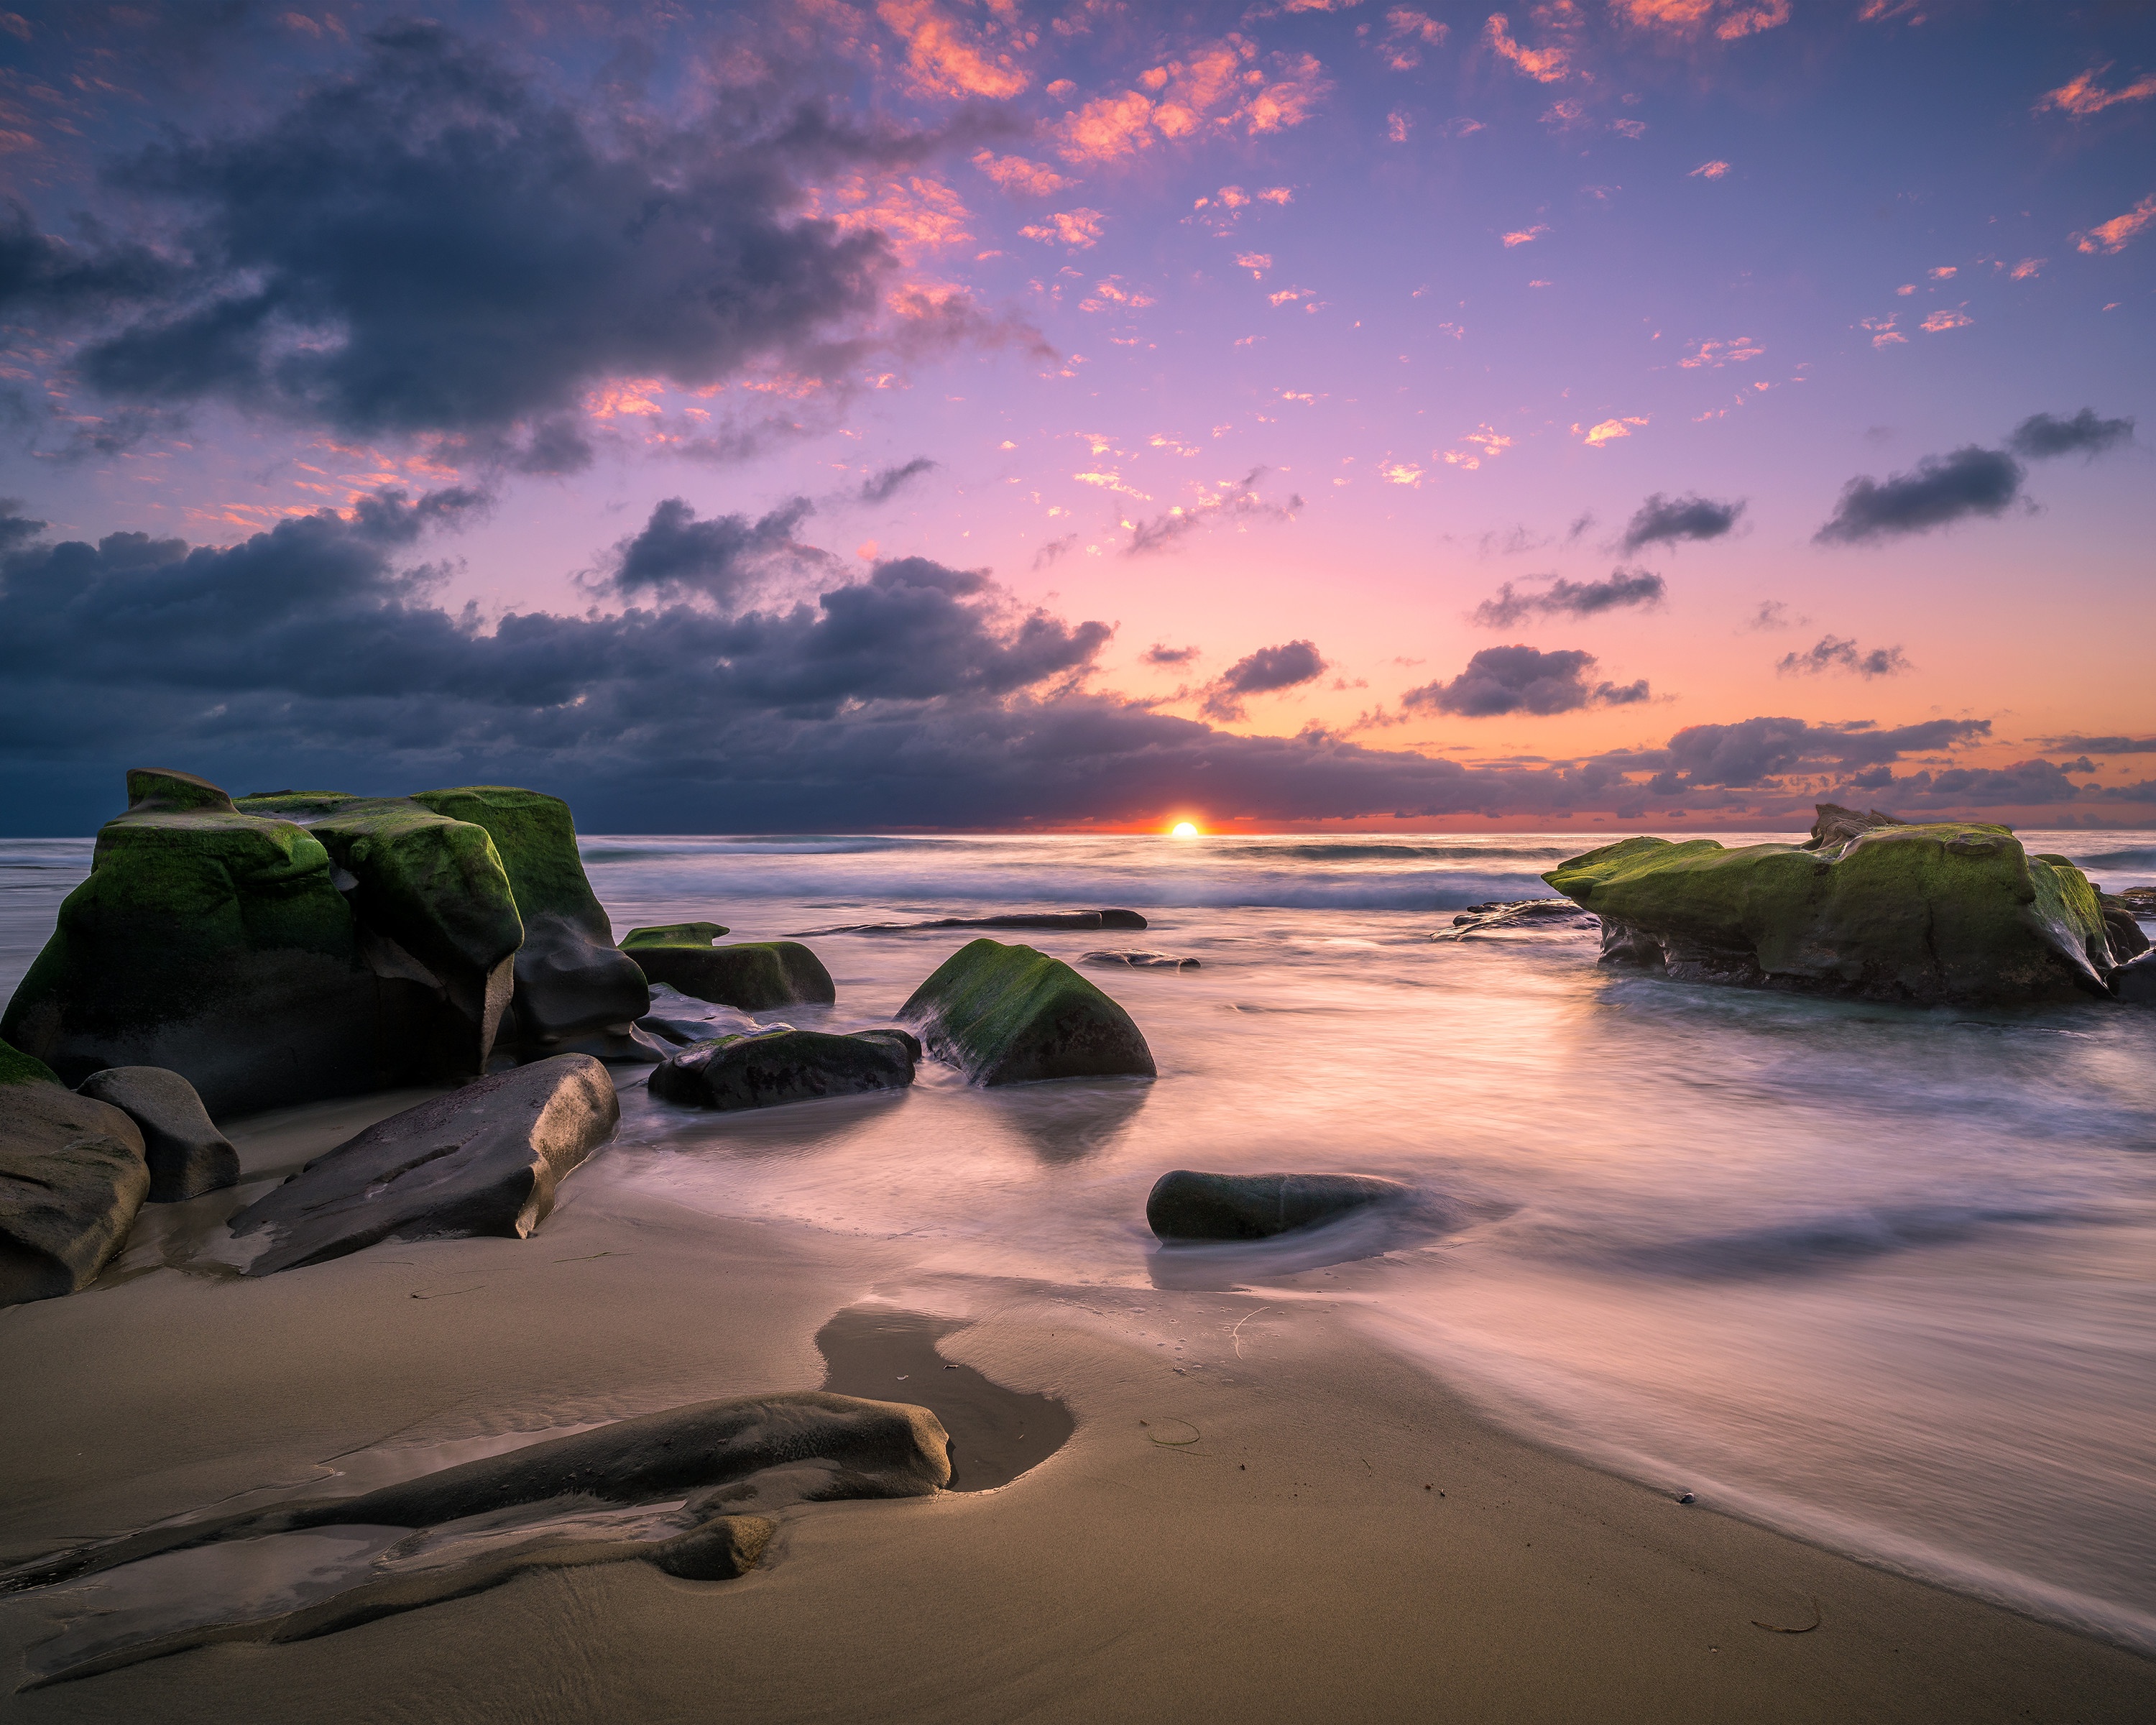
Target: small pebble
{"points": [[1685, 1497]]}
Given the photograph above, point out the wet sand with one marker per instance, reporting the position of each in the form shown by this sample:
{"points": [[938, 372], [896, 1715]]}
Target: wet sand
{"points": [[1257, 1516]]}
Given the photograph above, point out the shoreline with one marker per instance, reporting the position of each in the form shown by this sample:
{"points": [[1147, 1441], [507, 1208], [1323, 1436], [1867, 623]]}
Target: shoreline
{"points": [[1284, 1562]]}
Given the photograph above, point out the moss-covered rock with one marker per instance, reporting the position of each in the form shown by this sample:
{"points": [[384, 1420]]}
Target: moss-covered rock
{"points": [[16, 1067], [1009, 1015], [536, 837], [1946, 912], [783, 1064], [214, 943], [72, 1177], [753, 976]]}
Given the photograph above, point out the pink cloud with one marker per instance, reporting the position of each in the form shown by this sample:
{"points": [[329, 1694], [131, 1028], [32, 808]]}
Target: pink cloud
{"points": [[1728, 19], [1714, 355], [1883, 332], [1545, 65], [1108, 129], [1609, 431], [1018, 175], [1708, 170], [1525, 236], [1947, 317], [1077, 228], [2026, 268], [2120, 231], [944, 57], [2083, 96], [1407, 33]]}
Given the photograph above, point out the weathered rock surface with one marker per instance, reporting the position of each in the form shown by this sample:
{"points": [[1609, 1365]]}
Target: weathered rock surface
{"points": [[1138, 961], [1834, 828], [2122, 923], [72, 1176], [753, 976], [1184, 1204], [187, 1154], [1010, 1015], [1549, 913], [718, 1458], [2141, 900], [2136, 982], [216, 944], [568, 983], [484, 1159], [783, 1065], [1016, 919], [1949, 912]]}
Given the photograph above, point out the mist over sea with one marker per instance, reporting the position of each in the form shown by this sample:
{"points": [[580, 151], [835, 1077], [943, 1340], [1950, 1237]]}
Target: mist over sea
{"points": [[1883, 1277]]}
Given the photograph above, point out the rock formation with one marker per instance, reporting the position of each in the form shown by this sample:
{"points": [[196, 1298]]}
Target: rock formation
{"points": [[752, 976], [784, 1065], [72, 1176], [1009, 1015], [1184, 1204]]}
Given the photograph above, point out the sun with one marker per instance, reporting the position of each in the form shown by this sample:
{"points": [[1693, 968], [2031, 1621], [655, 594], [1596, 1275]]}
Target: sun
{"points": [[1183, 829]]}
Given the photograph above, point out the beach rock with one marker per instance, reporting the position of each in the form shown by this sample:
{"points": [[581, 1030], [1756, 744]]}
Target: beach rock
{"points": [[753, 976], [433, 887], [568, 983], [1184, 1204], [484, 1159], [2136, 982], [1520, 913], [2121, 923], [783, 1065], [1010, 1015], [188, 1156], [1016, 919], [715, 1460], [1139, 961], [215, 943], [1834, 828], [1947, 911], [72, 1176], [2141, 900]]}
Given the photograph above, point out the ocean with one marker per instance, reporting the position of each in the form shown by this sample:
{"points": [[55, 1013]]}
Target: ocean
{"points": [[1884, 1277]]}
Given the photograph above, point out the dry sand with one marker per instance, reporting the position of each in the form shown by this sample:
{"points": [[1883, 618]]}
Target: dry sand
{"points": [[1258, 1517]]}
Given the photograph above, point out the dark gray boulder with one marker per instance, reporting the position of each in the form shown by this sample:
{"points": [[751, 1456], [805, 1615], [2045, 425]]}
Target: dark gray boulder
{"points": [[1010, 1015], [187, 1155], [72, 1176], [2137, 982], [484, 1159], [569, 983], [751, 976], [2123, 923], [783, 1064], [1184, 1204]]}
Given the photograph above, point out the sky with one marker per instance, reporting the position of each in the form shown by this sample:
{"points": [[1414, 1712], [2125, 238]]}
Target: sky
{"points": [[1001, 414]]}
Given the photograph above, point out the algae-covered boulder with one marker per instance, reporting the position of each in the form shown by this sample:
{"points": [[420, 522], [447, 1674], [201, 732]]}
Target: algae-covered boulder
{"points": [[1010, 1014], [1186, 1204], [751, 976], [783, 1064], [484, 1159], [1945, 912], [72, 1177], [215, 943], [187, 1155]]}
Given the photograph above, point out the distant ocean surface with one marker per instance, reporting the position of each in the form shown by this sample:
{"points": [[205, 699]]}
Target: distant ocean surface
{"points": [[1885, 1277]]}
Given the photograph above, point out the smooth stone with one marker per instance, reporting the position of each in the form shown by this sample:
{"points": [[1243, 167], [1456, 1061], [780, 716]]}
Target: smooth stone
{"points": [[2128, 941], [187, 1155], [568, 983], [2136, 981], [1139, 961], [751, 976], [1016, 919], [484, 1159], [1012, 1015], [782, 1064], [72, 1177], [1184, 1204]]}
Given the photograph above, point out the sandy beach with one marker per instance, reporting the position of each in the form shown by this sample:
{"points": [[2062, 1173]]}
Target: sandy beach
{"points": [[1258, 1515]]}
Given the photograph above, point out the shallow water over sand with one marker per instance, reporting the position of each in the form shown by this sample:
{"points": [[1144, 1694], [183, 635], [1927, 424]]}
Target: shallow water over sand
{"points": [[1886, 1277]]}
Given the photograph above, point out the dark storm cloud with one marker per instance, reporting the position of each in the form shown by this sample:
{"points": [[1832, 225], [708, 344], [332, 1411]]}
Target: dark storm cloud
{"points": [[1667, 520], [2025, 782], [1263, 672], [676, 554], [880, 487], [1523, 679], [436, 244], [1943, 488], [1160, 654], [1623, 587], [2102, 745], [2041, 436], [1841, 653], [917, 696]]}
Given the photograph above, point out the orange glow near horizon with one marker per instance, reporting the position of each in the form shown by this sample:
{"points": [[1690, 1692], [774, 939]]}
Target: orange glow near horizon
{"points": [[1183, 829]]}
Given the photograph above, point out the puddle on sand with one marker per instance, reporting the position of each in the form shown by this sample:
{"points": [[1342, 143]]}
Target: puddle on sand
{"points": [[887, 1356]]}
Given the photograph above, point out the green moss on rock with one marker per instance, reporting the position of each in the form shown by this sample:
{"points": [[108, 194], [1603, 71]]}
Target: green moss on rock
{"points": [[536, 837], [16, 1067], [1947, 911], [753, 976], [1009, 1015]]}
